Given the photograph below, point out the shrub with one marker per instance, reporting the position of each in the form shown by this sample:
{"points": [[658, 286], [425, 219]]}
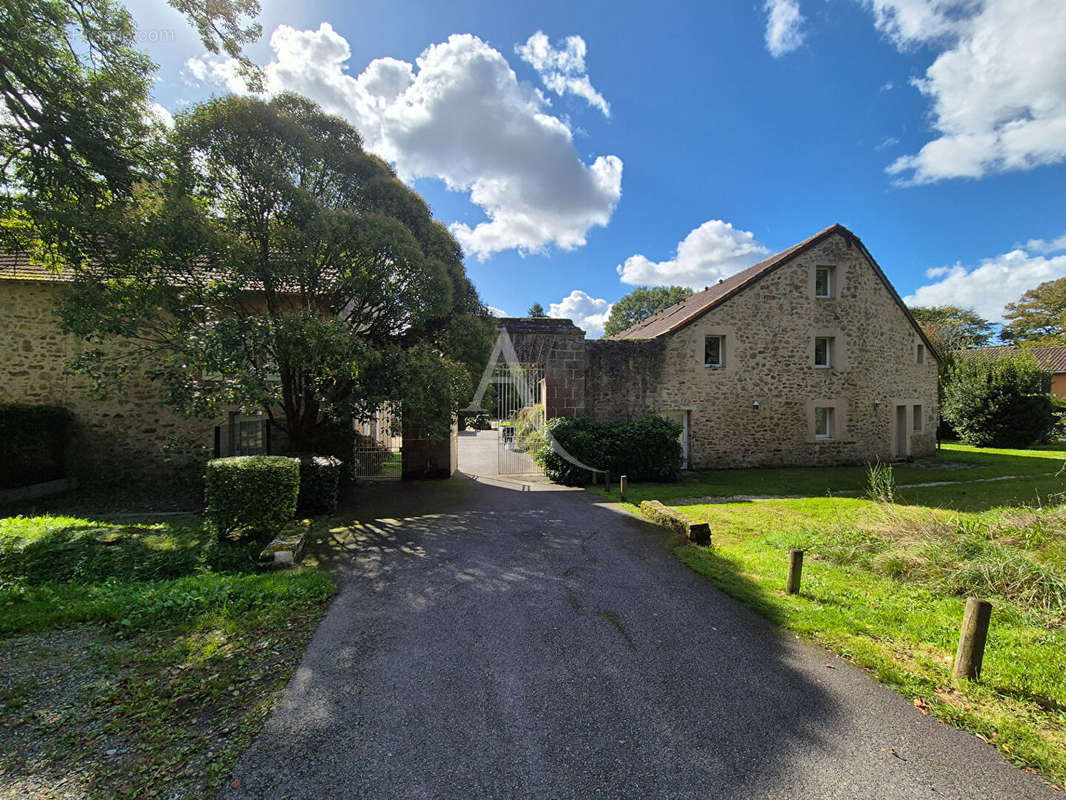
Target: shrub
{"points": [[645, 449], [32, 443], [998, 402], [251, 493], [337, 438], [319, 479]]}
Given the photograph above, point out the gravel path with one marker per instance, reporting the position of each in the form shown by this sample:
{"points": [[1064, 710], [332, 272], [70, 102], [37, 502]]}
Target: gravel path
{"points": [[494, 643]]}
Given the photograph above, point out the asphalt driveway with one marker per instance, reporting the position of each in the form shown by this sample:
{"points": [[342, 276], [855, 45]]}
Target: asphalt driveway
{"points": [[490, 642]]}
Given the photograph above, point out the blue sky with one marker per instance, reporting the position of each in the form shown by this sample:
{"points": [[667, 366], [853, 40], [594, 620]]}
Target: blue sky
{"points": [[580, 149]]}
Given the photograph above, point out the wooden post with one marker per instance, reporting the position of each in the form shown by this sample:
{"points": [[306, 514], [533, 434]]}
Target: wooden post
{"points": [[972, 639], [795, 569], [623, 487]]}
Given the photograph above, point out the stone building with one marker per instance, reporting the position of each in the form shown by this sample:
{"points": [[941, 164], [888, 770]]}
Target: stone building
{"points": [[809, 357], [134, 437]]}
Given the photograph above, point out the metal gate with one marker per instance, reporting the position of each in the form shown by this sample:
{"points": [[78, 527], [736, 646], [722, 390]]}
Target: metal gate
{"points": [[378, 447], [520, 413]]}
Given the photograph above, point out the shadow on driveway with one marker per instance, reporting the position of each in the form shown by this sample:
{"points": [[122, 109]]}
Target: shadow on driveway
{"points": [[493, 643]]}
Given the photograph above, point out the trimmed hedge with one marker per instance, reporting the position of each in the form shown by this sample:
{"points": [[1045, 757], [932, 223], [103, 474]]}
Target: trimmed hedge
{"points": [[645, 449], [256, 494], [33, 442], [319, 480]]}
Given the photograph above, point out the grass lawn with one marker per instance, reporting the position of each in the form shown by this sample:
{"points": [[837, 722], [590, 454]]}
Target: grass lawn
{"points": [[138, 659], [884, 584]]}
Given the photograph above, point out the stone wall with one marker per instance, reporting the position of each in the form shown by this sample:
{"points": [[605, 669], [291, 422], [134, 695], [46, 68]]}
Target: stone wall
{"points": [[133, 438], [623, 378], [559, 346], [769, 330]]}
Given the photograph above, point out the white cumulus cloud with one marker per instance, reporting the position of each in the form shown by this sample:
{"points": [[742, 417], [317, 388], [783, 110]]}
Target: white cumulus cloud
{"points": [[994, 282], [459, 114], [712, 251], [997, 86], [1044, 246], [784, 26], [497, 312], [562, 68], [588, 313]]}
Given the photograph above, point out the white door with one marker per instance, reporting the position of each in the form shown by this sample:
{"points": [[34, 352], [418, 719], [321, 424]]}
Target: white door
{"points": [[681, 418]]}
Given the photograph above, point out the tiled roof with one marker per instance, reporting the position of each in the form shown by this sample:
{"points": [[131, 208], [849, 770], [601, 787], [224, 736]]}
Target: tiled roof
{"points": [[17, 266], [677, 316], [680, 314], [1051, 359]]}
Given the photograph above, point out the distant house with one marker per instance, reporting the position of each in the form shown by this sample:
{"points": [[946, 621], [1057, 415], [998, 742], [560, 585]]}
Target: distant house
{"points": [[1049, 359], [808, 357]]}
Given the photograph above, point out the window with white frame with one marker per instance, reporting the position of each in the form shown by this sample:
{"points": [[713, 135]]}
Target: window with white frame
{"points": [[823, 351], [714, 351], [823, 422], [823, 282], [917, 423]]}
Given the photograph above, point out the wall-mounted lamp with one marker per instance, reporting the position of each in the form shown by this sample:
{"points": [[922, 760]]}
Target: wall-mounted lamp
{"points": [[755, 405]]}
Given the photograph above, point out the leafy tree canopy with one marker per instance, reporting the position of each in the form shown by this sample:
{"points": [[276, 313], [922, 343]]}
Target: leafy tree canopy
{"points": [[1039, 316], [952, 328], [536, 310], [640, 304], [75, 122], [275, 264]]}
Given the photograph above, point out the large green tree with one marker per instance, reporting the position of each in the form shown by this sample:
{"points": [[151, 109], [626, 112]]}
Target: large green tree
{"points": [[640, 304], [1039, 316], [952, 328], [75, 121], [278, 265]]}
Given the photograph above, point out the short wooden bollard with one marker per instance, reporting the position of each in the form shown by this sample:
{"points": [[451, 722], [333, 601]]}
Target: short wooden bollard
{"points": [[623, 487], [795, 570], [972, 639]]}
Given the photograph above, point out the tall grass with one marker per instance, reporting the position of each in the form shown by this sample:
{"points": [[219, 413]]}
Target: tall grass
{"points": [[880, 482]]}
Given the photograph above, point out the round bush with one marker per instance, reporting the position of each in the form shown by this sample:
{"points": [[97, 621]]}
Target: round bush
{"points": [[251, 493]]}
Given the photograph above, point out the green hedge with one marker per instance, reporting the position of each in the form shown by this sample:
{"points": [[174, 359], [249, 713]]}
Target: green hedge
{"points": [[256, 494], [33, 443], [645, 449], [999, 402], [319, 481]]}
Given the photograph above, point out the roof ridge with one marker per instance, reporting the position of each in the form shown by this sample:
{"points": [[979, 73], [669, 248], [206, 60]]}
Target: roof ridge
{"points": [[725, 288]]}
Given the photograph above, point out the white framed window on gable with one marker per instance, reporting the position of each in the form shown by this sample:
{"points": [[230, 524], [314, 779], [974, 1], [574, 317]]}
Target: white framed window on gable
{"points": [[823, 351], [823, 422], [714, 351], [823, 282]]}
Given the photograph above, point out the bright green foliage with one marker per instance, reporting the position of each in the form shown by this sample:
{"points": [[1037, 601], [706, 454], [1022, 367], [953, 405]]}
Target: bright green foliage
{"points": [[646, 449], [1039, 316], [75, 133], [640, 304], [251, 493], [952, 328], [278, 265], [33, 442], [319, 481], [998, 402]]}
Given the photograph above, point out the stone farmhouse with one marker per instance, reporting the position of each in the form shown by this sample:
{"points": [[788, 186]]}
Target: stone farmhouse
{"points": [[808, 357]]}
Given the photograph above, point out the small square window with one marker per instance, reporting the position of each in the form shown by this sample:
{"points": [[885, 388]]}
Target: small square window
{"points": [[917, 424], [823, 423], [823, 351], [714, 351], [823, 282], [921, 354]]}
